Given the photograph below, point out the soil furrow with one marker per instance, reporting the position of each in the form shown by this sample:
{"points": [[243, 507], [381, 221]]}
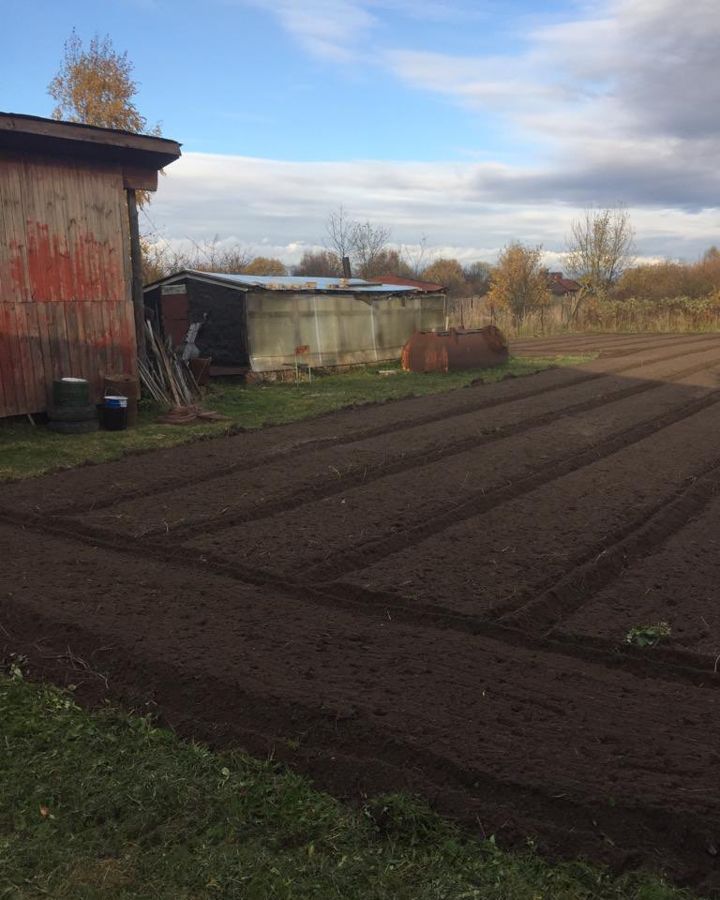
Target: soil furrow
{"points": [[673, 665], [261, 492], [600, 342], [209, 460], [675, 582], [330, 527], [473, 503], [493, 558], [482, 501], [364, 472], [600, 566]]}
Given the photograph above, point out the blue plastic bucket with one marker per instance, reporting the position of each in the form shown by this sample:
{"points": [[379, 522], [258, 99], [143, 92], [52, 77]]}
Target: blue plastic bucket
{"points": [[114, 413]]}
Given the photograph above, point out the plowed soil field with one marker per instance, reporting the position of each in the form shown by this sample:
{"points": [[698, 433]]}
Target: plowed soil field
{"points": [[428, 595]]}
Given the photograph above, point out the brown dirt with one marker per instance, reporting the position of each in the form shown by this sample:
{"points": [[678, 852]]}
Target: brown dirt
{"points": [[678, 584], [429, 594]]}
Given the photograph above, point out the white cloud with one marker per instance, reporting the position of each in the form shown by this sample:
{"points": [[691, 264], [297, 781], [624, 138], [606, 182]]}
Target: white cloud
{"points": [[338, 29], [494, 82], [620, 103], [620, 106], [643, 68], [469, 210], [329, 29]]}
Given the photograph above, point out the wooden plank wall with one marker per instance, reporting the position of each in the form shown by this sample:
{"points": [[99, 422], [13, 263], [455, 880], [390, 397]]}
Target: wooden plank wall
{"points": [[65, 292]]}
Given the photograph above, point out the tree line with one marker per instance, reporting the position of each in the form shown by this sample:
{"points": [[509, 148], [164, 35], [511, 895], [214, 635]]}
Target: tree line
{"points": [[370, 256]]}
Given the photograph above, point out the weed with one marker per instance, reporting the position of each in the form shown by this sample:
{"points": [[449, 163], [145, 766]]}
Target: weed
{"points": [[16, 665], [648, 635]]}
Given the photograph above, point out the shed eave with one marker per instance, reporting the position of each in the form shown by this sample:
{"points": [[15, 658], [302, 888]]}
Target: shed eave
{"points": [[358, 289], [23, 133], [197, 276]]}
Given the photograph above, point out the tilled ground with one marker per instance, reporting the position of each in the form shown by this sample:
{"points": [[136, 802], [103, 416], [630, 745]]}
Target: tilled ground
{"points": [[430, 594]]}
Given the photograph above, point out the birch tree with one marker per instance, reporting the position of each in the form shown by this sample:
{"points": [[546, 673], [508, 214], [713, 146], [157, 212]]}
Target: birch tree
{"points": [[94, 85]]}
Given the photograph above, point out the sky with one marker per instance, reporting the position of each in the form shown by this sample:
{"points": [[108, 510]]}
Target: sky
{"points": [[460, 124]]}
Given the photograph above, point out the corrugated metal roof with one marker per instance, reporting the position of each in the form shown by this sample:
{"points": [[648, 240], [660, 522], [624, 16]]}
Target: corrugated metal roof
{"points": [[292, 283]]}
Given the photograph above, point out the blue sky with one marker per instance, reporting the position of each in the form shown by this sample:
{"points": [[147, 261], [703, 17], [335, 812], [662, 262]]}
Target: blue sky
{"points": [[233, 80], [470, 123]]}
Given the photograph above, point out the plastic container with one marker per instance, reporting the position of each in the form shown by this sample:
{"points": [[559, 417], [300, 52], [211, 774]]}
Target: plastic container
{"points": [[114, 413], [124, 386], [116, 401]]}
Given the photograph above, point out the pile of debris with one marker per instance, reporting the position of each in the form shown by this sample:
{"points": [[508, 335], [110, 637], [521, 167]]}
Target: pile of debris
{"points": [[190, 415], [168, 379]]}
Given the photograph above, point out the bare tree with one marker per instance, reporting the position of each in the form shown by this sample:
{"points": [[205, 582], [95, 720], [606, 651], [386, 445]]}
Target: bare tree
{"points": [[339, 229], [600, 248], [161, 258], [364, 243], [211, 256], [369, 243], [415, 257]]}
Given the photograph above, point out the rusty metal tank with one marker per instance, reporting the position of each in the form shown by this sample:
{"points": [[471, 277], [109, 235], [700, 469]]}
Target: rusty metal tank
{"points": [[457, 348]]}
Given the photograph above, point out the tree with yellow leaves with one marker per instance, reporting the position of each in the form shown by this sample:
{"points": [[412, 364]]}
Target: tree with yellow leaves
{"points": [[264, 265], [519, 282], [449, 273], [94, 85]]}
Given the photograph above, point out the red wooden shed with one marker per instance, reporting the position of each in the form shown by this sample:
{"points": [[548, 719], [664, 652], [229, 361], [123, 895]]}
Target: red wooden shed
{"points": [[70, 281]]}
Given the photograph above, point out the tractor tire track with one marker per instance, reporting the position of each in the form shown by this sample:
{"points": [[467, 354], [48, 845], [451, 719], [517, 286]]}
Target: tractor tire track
{"points": [[480, 502], [366, 475]]}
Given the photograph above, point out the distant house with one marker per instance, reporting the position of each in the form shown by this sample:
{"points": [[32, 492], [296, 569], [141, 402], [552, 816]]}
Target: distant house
{"points": [[69, 253], [263, 324], [562, 287]]}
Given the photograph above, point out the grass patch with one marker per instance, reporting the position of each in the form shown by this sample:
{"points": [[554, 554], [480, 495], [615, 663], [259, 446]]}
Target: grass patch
{"points": [[26, 450], [106, 805], [648, 635]]}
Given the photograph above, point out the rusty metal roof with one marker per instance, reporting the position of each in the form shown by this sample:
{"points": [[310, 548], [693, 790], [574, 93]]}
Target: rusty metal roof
{"points": [[560, 285], [427, 287]]}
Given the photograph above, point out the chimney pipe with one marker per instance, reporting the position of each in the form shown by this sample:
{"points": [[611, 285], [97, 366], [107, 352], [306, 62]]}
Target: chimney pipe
{"points": [[347, 273]]}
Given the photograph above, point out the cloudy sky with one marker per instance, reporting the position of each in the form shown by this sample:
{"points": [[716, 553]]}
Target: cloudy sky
{"points": [[466, 122]]}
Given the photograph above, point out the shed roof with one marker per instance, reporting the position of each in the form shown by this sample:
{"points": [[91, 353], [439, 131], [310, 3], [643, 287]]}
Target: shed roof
{"points": [[293, 283], [22, 133], [427, 287]]}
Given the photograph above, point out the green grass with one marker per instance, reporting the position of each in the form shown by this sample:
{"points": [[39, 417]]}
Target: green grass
{"points": [[26, 450], [106, 805]]}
